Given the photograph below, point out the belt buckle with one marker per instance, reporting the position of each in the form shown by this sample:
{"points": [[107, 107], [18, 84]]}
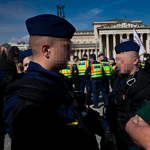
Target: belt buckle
{"points": [[131, 81]]}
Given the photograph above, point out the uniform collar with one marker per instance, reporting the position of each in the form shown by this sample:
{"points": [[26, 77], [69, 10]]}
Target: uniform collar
{"points": [[38, 68], [94, 61], [83, 59]]}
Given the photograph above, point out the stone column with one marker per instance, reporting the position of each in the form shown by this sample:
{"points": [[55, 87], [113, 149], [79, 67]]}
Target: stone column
{"points": [[120, 37], [100, 43], [88, 53], [107, 45], [75, 53], [147, 43], [80, 54], [141, 36], [128, 37], [114, 44]]}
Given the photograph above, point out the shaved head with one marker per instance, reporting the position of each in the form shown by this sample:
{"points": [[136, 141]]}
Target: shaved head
{"points": [[37, 41]]}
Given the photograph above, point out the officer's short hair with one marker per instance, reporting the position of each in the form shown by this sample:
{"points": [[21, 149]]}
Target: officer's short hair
{"points": [[75, 57], [36, 41]]}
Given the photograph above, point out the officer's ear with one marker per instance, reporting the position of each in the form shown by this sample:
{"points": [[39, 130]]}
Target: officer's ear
{"points": [[136, 60], [46, 50]]}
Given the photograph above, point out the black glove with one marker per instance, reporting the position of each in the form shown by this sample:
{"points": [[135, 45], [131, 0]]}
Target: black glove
{"points": [[110, 139]]}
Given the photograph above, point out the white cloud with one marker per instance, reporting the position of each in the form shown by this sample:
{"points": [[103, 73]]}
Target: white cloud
{"points": [[15, 40]]}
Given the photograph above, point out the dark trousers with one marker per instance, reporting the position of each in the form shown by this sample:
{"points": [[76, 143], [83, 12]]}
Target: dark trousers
{"points": [[107, 84], [77, 83], [97, 86], [84, 83]]}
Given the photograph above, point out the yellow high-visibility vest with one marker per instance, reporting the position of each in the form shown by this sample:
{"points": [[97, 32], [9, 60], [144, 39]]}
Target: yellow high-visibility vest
{"points": [[82, 65], [106, 67], [67, 71], [96, 70]]}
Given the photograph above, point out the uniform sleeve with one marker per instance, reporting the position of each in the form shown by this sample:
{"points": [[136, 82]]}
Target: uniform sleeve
{"points": [[147, 67], [144, 113], [87, 71]]}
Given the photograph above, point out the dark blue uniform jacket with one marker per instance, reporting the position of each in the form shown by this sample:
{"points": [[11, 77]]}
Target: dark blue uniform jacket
{"points": [[38, 72]]}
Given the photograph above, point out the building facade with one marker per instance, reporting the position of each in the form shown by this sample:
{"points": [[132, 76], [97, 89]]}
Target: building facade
{"points": [[106, 35]]}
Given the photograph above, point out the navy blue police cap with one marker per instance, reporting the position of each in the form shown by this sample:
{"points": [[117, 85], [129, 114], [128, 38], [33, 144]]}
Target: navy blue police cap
{"points": [[50, 25], [112, 58], [127, 46], [25, 54], [92, 56], [100, 55]]}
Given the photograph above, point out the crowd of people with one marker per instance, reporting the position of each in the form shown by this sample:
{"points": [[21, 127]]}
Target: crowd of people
{"points": [[44, 104]]}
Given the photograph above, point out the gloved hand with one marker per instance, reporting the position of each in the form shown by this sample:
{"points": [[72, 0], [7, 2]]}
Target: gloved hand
{"points": [[110, 138]]}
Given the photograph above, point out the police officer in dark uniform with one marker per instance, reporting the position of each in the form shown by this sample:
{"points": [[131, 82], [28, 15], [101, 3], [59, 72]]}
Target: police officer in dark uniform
{"points": [[41, 111], [8, 74], [107, 70], [82, 65], [130, 92], [97, 74]]}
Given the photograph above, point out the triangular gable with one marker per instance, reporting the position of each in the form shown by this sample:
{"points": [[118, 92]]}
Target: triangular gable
{"points": [[124, 24]]}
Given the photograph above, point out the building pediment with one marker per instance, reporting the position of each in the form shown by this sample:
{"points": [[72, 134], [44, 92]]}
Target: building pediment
{"points": [[124, 24]]}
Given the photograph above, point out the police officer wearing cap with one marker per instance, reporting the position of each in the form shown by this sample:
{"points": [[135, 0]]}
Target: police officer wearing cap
{"points": [[41, 111], [97, 73], [130, 92], [114, 70], [68, 72], [26, 57], [107, 70], [82, 65]]}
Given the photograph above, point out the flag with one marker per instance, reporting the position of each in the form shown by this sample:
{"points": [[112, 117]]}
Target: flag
{"points": [[137, 40]]}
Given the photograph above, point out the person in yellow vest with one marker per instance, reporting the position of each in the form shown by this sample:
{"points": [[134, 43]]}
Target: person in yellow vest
{"points": [[68, 72], [107, 70], [143, 65], [114, 70], [82, 65], [96, 70]]}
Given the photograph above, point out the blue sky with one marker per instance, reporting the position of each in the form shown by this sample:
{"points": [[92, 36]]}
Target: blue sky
{"points": [[81, 13]]}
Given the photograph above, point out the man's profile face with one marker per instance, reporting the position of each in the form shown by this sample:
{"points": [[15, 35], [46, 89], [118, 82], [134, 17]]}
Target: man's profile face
{"points": [[112, 62], [75, 60], [61, 52], [101, 57], [26, 62], [124, 63]]}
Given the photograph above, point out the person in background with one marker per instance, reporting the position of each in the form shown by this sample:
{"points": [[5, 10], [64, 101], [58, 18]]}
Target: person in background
{"points": [[8, 74], [16, 60], [114, 70], [26, 56], [19, 68], [147, 63], [82, 65], [76, 75], [68, 72], [143, 64], [96, 70], [107, 70]]}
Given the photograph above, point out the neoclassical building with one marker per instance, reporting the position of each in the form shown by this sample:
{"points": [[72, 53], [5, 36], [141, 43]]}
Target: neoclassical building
{"points": [[106, 35]]}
